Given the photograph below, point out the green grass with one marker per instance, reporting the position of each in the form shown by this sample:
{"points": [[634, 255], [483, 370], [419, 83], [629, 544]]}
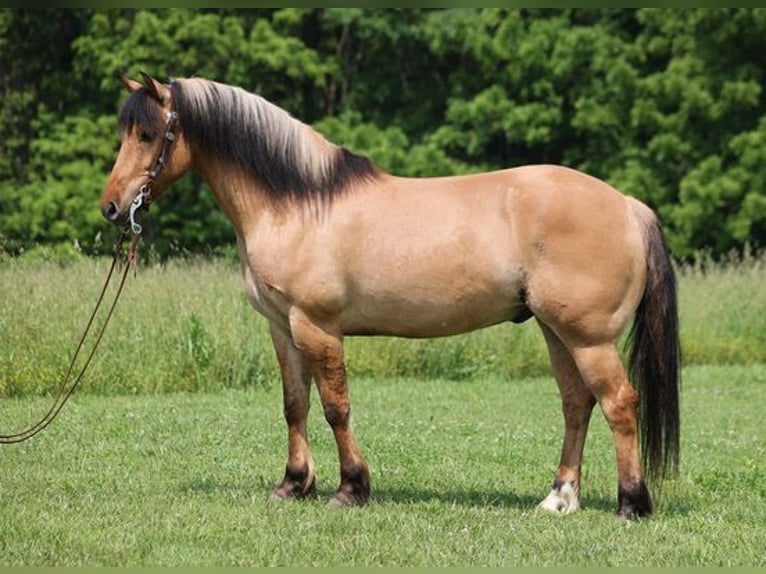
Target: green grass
{"points": [[723, 311], [170, 447], [187, 326], [457, 469]]}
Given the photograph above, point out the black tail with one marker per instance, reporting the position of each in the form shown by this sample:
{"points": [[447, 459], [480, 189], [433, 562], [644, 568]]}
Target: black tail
{"points": [[655, 357]]}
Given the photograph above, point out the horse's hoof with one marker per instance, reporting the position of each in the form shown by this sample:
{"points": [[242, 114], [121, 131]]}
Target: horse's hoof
{"points": [[344, 498], [561, 500], [291, 490], [635, 502], [630, 514]]}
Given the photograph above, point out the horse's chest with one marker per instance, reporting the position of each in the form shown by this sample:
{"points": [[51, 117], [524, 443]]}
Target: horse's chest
{"points": [[267, 299]]}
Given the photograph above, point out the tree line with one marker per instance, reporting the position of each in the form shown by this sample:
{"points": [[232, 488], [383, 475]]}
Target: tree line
{"points": [[665, 104]]}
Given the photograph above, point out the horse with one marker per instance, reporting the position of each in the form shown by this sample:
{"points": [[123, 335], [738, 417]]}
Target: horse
{"points": [[331, 246]]}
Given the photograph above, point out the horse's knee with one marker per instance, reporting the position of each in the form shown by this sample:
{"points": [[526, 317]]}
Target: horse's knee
{"points": [[295, 409], [336, 413]]}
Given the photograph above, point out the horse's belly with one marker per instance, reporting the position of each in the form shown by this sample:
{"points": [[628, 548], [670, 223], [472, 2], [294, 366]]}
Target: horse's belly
{"points": [[434, 314]]}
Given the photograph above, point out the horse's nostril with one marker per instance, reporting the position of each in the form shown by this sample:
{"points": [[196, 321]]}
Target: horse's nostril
{"points": [[110, 211]]}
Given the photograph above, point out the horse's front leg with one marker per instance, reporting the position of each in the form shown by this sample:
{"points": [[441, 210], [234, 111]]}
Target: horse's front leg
{"points": [[322, 346], [299, 480]]}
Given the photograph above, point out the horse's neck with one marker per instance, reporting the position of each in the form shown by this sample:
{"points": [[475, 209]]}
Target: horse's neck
{"points": [[239, 196]]}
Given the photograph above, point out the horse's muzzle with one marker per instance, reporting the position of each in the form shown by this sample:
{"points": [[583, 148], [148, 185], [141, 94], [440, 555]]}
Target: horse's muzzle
{"points": [[111, 212]]}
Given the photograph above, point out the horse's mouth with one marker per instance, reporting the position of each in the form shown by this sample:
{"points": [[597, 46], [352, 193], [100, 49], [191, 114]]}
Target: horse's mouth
{"points": [[128, 218]]}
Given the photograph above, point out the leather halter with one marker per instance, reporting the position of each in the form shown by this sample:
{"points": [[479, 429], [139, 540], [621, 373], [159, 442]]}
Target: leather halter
{"points": [[144, 197]]}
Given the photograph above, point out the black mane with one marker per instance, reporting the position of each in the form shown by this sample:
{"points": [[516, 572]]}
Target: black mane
{"points": [[140, 110], [285, 156]]}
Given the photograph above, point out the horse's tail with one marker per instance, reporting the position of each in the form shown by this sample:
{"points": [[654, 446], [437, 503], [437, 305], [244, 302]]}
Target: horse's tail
{"points": [[655, 355]]}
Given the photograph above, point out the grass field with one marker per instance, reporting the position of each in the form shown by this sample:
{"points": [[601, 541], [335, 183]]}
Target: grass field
{"points": [[457, 467], [167, 453], [187, 326]]}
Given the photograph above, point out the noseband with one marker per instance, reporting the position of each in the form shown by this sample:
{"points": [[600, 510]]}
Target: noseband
{"points": [[144, 197]]}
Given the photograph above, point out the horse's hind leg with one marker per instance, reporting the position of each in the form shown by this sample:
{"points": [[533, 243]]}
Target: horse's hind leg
{"points": [[577, 402], [299, 480], [605, 376]]}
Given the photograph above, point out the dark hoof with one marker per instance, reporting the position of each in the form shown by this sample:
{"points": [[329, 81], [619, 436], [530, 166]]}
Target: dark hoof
{"points": [[343, 498], [635, 502], [354, 489], [295, 486]]}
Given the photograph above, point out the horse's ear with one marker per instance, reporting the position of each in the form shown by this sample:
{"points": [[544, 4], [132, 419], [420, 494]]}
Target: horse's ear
{"points": [[155, 89], [131, 85]]}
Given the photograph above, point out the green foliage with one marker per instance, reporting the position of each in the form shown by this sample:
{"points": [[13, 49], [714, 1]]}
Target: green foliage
{"points": [[66, 171], [390, 146], [665, 104]]}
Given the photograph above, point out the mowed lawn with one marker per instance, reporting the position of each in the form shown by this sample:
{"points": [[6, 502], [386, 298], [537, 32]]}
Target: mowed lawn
{"points": [[457, 470]]}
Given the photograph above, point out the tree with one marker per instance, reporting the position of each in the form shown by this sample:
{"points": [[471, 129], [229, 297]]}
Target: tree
{"points": [[34, 80], [664, 104]]}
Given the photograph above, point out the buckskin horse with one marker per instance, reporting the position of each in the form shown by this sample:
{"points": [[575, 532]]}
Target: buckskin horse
{"points": [[331, 245]]}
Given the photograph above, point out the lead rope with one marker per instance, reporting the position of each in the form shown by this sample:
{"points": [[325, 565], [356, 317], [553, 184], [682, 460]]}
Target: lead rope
{"points": [[141, 201], [66, 388]]}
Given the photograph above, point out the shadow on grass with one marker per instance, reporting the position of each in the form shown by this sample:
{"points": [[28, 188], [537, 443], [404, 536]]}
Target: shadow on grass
{"points": [[475, 498], [215, 487], [481, 498], [469, 498], [406, 495]]}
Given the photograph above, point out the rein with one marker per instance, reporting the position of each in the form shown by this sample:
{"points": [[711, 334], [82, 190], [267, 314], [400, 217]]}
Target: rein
{"points": [[66, 388], [142, 200]]}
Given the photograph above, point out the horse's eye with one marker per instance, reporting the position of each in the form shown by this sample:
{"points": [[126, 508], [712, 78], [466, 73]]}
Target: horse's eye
{"points": [[146, 136]]}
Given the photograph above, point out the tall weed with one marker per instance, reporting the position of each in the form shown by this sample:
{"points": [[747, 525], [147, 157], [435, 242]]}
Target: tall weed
{"points": [[723, 310], [186, 325]]}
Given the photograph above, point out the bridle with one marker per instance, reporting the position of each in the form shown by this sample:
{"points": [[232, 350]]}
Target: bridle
{"points": [[144, 196], [142, 200]]}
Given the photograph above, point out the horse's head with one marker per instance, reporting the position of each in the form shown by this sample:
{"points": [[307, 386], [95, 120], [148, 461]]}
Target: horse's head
{"points": [[153, 152]]}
